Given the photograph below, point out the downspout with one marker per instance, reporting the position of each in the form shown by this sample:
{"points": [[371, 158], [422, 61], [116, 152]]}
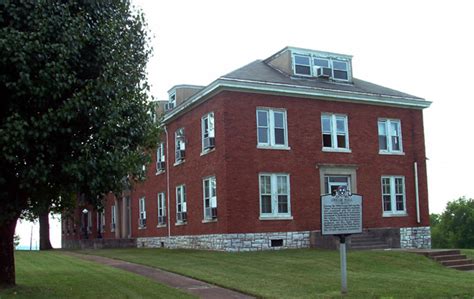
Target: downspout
{"points": [[417, 196], [168, 183]]}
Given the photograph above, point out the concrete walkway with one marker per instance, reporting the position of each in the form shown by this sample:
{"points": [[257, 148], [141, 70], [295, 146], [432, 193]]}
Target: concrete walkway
{"points": [[193, 286]]}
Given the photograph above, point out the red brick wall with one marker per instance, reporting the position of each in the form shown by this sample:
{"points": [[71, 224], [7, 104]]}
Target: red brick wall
{"points": [[245, 161], [236, 163]]}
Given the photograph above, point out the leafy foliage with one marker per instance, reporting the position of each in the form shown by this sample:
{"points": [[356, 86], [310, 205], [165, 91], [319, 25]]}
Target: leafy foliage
{"points": [[74, 111], [454, 228]]}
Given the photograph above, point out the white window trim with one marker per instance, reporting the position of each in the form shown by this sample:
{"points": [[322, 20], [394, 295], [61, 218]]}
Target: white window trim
{"points": [[141, 212], [172, 100], [210, 132], [293, 60], [271, 128], [274, 197], [181, 202], [393, 199], [389, 150], [161, 203], [210, 179], [333, 118]]}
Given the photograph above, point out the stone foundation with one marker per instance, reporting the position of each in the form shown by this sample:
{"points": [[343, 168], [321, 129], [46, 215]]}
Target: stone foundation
{"points": [[231, 242], [415, 237], [98, 243]]}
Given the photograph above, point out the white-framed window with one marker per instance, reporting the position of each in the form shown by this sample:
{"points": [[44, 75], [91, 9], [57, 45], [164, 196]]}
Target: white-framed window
{"points": [[210, 198], [390, 136], [208, 132], [274, 195], [181, 210], [113, 211], [333, 182], [101, 223], [89, 222], [161, 209], [171, 102], [393, 195], [180, 145], [160, 158], [335, 132], [142, 213], [316, 65], [272, 128], [302, 64]]}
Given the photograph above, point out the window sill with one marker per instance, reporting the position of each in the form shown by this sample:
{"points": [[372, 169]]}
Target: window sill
{"points": [[391, 153], [159, 172], [179, 162], [112, 231], [270, 147], [180, 223], [161, 225], [387, 215], [336, 150], [275, 218], [209, 220], [205, 152], [142, 227]]}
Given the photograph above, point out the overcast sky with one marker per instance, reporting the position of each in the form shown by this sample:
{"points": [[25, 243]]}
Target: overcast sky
{"points": [[423, 48]]}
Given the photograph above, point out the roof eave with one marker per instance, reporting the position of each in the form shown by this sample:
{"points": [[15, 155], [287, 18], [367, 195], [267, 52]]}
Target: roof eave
{"points": [[297, 91]]}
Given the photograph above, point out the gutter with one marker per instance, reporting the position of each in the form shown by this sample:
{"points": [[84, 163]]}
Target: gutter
{"points": [[168, 183]]}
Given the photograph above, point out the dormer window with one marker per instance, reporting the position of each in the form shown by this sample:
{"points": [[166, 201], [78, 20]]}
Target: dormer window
{"points": [[325, 65], [302, 65], [171, 102]]}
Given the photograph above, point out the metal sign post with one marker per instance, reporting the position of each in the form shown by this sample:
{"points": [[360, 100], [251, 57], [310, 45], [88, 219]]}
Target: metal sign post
{"points": [[342, 252], [341, 215]]}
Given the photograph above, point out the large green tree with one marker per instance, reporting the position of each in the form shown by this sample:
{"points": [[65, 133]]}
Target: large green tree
{"points": [[454, 228], [73, 107]]}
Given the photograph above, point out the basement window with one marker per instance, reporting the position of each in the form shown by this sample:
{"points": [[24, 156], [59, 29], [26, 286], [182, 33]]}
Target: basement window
{"points": [[276, 243]]}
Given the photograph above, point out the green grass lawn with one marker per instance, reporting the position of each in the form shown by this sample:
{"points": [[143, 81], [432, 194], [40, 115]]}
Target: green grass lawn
{"points": [[54, 275], [310, 273]]}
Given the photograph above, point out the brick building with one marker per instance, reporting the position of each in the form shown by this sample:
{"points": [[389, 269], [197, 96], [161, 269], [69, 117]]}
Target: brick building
{"points": [[245, 159]]}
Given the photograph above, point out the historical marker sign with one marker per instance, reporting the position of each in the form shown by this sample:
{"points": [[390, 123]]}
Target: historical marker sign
{"points": [[341, 214]]}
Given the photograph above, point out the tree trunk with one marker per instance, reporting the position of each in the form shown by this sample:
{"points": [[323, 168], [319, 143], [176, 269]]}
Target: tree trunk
{"points": [[7, 258], [45, 244]]}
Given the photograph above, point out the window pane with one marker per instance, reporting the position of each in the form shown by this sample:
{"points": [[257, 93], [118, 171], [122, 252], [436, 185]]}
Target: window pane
{"points": [[282, 185], [262, 135], [395, 143], [398, 185], [262, 117], [386, 186], [338, 179], [394, 129], [304, 70], [279, 136], [326, 121], [213, 187], [399, 201], [282, 204], [301, 60], [206, 188], [266, 204], [321, 62], [278, 118], [327, 142], [341, 124], [265, 187], [341, 141], [382, 142], [339, 65], [340, 75], [382, 128], [387, 206]]}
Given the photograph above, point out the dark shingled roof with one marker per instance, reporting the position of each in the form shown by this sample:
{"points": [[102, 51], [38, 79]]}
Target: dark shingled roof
{"points": [[262, 72]]}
